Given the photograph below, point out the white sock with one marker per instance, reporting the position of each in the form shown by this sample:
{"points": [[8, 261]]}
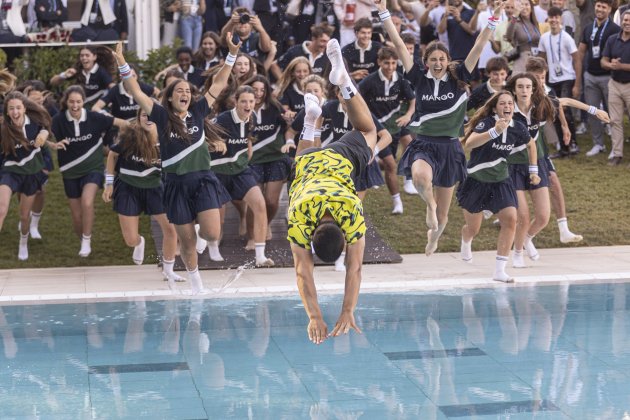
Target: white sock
{"points": [[196, 285], [466, 251], [138, 252], [23, 248], [396, 198], [308, 132], [340, 262], [201, 243], [86, 246], [34, 226], [530, 248], [213, 251], [499, 269], [261, 258], [338, 75]]}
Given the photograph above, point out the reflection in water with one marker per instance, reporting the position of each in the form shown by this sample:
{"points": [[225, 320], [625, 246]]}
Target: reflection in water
{"points": [[559, 348]]}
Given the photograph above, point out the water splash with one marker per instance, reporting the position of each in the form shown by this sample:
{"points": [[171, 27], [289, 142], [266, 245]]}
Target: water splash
{"points": [[235, 275]]}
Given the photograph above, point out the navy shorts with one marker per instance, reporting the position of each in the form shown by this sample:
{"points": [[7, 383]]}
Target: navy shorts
{"points": [[550, 166], [24, 184], [476, 196], [520, 176], [74, 187], [278, 170], [238, 185], [132, 201], [187, 195], [445, 155], [372, 177], [385, 152]]}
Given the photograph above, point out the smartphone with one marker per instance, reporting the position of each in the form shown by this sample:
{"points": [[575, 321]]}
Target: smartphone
{"points": [[235, 39]]}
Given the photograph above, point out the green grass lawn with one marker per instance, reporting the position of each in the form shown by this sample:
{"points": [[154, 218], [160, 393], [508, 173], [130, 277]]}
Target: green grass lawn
{"points": [[597, 205]]}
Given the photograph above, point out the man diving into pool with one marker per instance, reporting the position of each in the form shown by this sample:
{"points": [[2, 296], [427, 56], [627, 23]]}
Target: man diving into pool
{"points": [[325, 214]]}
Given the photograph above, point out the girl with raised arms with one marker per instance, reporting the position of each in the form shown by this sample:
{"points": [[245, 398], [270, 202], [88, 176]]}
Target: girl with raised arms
{"points": [[133, 180], [192, 192], [435, 158]]}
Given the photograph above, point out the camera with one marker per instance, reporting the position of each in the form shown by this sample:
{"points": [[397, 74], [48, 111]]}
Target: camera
{"points": [[243, 18]]}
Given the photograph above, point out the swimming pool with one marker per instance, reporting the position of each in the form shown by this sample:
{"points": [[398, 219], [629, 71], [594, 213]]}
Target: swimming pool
{"points": [[546, 352]]}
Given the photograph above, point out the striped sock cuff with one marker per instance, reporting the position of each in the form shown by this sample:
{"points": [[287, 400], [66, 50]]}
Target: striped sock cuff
{"points": [[501, 258]]}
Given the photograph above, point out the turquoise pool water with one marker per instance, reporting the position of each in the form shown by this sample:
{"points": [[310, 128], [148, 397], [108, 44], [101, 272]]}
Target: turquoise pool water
{"points": [[548, 352]]}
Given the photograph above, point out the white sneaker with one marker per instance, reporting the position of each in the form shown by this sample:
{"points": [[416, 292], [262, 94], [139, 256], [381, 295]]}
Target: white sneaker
{"points": [[86, 247], [138, 252], [595, 150], [409, 188], [580, 129]]}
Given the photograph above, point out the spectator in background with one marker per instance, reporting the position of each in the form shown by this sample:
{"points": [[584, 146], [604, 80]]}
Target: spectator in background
{"points": [[314, 50], [13, 29], [102, 20], [190, 22], [523, 34], [587, 12], [560, 52], [596, 78], [568, 19], [541, 10], [184, 57], [485, 11], [433, 16], [170, 21], [268, 12], [619, 12], [348, 12], [208, 55], [254, 39], [616, 58], [461, 35], [304, 20], [50, 13], [362, 54], [500, 43]]}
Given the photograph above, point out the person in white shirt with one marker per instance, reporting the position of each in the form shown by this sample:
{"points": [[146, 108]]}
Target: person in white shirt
{"points": [[568, 19], [561, 53], [541, 10], [433, 15]]}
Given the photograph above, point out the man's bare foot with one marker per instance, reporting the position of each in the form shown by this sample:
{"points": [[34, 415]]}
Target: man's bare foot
{"points": [[251, 245]]}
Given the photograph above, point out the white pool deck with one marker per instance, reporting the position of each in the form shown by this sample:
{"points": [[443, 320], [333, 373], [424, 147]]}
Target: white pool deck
{"points": [[417, 272]]}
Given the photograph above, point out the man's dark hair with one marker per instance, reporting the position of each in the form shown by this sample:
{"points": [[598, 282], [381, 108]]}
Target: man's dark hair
{"points": [[362, 23], [497, 64], [608, 2], [328, 242], [554, 11]]}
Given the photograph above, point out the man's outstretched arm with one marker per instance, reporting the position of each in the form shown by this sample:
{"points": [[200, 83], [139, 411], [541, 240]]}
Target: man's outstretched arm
{"points": [[303, 260], [354, 261]]}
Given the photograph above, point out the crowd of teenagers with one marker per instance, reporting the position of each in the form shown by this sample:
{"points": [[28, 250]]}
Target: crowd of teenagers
{"points": [[236, 121]]}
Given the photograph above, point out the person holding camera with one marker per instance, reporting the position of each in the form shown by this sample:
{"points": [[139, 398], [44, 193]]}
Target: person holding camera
{"points": [[255, 41]]}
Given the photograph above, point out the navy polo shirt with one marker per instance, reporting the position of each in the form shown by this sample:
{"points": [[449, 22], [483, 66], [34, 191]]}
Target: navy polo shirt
{"points": [[460, 42], [618, 48], [593, 65], [122, 104], [319, 63], [359, 59]]}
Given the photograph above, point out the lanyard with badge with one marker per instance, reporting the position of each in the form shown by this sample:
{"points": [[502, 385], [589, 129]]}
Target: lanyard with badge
{"points": [[557, 64], [595, 50], [529, 38]]}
